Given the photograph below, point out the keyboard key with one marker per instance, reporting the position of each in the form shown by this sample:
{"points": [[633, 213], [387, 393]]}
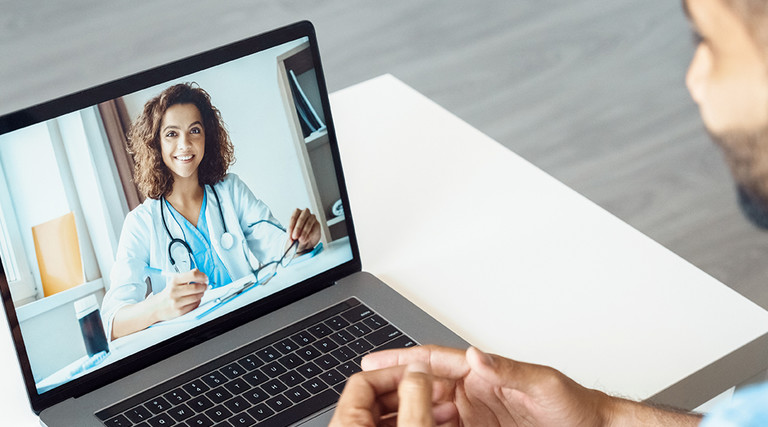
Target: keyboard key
{"points": [[176, 396], [326, 362], [274, 387], [357, 313], [361, 346], [273, 369], [162, 420], [332, 377], [237, 386], [308, 353], [349, 368], [260, 412], [383, 335], [314, 386], [291, 378], [157, 405], [232, 371], [325, 345], [242, 420], [249, 362], [286, 346], [268, 354], [278, 403], [118, 421], [302, 410], [238, 404], [343, 353], [218, 414], [337, 323], [214, 379], [255, 395], [200, 404], [320, 330], [199, 420], [181, 412], [303, 338], [402, 341], [297, 394], [138, 414], [342, 337], [358, 329], [291, 361], [196, 387], [255, 378], [309, 370], [218, 395], [375, 322]]}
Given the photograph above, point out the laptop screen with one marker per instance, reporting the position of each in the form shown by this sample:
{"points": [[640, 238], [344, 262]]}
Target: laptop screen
{"points": [[168, 204]]}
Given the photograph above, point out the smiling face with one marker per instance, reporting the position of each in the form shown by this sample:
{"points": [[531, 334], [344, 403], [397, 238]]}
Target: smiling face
{"points": [[182, 141], [728, 79]]}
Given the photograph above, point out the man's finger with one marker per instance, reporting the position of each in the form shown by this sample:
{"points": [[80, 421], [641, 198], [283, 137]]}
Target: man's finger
{"points": [[358, 402], [500, 371], [415, 395], [443, 362]]}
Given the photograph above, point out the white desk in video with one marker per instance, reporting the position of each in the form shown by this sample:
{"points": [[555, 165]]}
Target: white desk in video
{"points": [[519, 264]]}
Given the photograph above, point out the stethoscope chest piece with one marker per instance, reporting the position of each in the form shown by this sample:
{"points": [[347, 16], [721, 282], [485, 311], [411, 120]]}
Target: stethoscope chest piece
{"points": [[227, 240]]}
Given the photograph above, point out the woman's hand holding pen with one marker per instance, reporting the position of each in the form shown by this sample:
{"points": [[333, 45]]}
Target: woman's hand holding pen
{"points": [[181, 295], [305, 228]]}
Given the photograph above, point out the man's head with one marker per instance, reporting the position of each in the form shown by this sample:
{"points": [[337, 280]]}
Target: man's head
{"points": [[728, 79]]}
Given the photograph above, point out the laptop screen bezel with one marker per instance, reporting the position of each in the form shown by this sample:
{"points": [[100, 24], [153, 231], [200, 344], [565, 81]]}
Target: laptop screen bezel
{"points": [[129, 84]]}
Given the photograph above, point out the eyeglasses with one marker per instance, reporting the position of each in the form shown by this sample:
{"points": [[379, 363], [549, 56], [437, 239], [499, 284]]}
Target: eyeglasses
{"points": [[269, 270], [263, 275]]}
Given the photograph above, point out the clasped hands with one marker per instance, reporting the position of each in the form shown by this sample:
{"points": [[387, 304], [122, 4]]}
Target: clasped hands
{"points": [[431, 385]]}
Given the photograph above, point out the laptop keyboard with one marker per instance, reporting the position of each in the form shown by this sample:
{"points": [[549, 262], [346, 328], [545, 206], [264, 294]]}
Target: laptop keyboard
{"points": [[275, 381]]}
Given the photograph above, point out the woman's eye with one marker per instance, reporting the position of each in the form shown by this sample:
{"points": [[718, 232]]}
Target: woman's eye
{"points": [[170, 134], [195, 130]]}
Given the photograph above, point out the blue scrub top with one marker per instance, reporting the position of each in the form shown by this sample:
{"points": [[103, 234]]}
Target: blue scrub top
{"points": [[747, 408], [198, 239]]}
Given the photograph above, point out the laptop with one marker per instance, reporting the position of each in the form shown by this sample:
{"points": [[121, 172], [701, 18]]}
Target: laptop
{"points": [[260, 348]]}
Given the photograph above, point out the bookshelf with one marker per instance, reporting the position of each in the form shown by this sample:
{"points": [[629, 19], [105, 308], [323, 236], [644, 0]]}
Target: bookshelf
{"points": [[301, 98]]}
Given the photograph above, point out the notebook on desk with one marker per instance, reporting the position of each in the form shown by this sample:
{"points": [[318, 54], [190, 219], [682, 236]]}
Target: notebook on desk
{"points": [[271, 344]]}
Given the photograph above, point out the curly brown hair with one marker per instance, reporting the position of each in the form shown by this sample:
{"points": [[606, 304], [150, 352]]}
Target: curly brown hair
{"points": [[151, 175]]}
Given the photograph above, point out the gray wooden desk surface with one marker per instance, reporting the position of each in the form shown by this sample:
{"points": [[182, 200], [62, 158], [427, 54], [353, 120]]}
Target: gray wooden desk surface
{"points": [[592, 91]]}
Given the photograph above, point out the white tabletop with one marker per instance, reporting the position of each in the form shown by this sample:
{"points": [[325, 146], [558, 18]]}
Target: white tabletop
{"points": [[509, 258], [521, 265]]}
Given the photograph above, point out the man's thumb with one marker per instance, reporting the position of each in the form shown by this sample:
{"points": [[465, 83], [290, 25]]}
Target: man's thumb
{"points": [[415, 396]]}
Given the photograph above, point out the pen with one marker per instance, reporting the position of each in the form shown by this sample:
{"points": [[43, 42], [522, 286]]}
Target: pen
{"points": [[157, 271]]}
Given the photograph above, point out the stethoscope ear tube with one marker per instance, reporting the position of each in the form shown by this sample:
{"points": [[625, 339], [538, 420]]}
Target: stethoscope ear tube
{"points": [[227, 240]]}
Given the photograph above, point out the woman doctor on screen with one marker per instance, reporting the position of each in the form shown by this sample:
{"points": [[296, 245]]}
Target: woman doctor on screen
{"points": [[198, 223]]}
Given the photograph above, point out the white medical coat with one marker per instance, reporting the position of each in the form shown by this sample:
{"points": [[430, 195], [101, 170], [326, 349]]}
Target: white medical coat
{"points": [[144, 243]]}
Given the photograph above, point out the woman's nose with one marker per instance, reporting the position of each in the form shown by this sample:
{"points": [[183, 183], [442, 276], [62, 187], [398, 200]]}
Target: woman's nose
{"points": [[183, 141]]}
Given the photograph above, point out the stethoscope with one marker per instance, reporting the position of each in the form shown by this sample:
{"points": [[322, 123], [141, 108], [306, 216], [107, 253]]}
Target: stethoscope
{"points": [[227, 240]]}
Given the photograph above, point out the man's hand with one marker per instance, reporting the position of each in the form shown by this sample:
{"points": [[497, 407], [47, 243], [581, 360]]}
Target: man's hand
{"points": [[492, 390], [397, 395], [474, 388]]}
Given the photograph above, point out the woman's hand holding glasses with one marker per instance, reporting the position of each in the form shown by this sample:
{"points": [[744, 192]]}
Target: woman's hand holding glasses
{"points": [[305, 228]]}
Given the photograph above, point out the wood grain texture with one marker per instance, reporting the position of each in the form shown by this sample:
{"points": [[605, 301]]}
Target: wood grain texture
{"points": [[591, 91]]}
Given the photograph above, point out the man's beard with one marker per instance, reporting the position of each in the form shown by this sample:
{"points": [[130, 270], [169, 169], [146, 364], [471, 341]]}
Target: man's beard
{"points": [[747, 156]]}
